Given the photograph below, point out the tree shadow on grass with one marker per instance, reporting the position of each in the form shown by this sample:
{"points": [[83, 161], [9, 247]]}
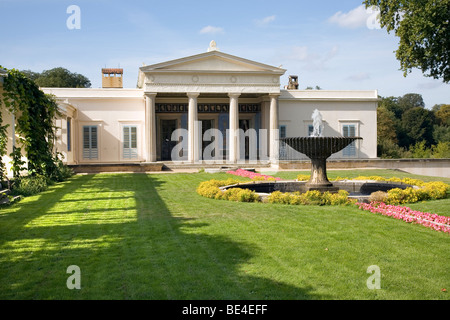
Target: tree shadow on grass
{"points": [[129, 248]]}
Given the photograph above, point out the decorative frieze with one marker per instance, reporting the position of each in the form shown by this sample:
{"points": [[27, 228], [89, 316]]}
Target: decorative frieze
{"points": [[206, 107]]}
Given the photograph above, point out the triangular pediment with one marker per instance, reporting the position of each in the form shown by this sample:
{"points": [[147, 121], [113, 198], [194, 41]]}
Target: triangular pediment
{"points": [[214, 61]]}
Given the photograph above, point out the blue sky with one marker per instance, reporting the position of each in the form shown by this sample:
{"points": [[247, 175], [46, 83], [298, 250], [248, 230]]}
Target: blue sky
{"points": [[333, 44]]}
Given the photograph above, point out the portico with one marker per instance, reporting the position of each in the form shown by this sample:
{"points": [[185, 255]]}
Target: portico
{"points": [[211, 83]]}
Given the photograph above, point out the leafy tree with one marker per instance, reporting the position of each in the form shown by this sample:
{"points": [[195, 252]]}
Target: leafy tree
{"points": [[443, 114], [410, 100], [58, 78], [417, 125], [391, 105], [31, 74], [386, 125], [441, 133], [423, 29]]}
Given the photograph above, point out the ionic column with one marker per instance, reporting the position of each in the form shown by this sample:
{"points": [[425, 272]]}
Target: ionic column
{"points": [[273, 128], [193, 128], [233, 147], [150, 126]]}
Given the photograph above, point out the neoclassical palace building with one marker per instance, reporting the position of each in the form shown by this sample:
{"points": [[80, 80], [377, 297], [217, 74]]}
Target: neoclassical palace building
{"points": [[213, 107]]}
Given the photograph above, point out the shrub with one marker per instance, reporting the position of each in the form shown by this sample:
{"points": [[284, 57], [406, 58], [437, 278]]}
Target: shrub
{"points": [[241, 195], [30, 185], [279, 197], [312, 197], [62, 172], [378, 196]]}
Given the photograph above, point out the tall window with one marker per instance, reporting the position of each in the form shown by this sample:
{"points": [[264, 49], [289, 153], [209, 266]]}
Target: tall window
{"points": [[130, 142], [310, 130], [282, 131], [349, 130], [90, 142], [283, 149], [69, 134]]}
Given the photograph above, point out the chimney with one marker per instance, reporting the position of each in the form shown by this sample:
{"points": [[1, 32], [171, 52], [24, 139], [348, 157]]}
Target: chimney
{"points": [[112, 78], [293, 83]]}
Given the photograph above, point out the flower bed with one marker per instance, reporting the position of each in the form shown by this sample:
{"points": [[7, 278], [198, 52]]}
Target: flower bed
{"points": [[312, 197], [431, 220], [425, 191], [211, 189], [253, 175]]}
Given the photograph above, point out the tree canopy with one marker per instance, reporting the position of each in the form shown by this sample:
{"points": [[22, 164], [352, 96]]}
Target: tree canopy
{"points": [[423, 29], [58, 78], [406, 128]]}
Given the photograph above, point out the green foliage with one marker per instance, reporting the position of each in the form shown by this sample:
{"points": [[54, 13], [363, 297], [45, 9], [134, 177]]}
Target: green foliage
{"points": [[35, 113], [423, 30], [441, 133], [442, 114], [59, 78], [405, 129], [417, 125], [238, 194], [419, 150], [422, 192], [17, 162], [429, 191], [30, 185], [3, 143], [440, 150], [211, 189], [312, 197]]}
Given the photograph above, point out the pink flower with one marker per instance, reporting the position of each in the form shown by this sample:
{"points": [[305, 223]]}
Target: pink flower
{"points": [[251, 175], [431, 220]]}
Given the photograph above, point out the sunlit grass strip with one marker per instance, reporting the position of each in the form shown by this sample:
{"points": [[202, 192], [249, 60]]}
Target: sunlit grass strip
{"points": [[431, 220]]}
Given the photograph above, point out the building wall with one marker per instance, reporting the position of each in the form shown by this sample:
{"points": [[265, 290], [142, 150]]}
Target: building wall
{"points": [[111, 109], [337, 109], [110, 115]]}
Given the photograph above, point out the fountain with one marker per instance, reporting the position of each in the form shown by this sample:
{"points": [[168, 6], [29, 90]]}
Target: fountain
{"points": [[319, 148]]}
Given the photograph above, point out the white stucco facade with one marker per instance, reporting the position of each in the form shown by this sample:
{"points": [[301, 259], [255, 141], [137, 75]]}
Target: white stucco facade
{"points": [[211, 90]]}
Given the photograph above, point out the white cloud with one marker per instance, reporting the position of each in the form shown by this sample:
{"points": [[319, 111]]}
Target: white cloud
{"points": [[358, 17], [312, 60], [212, 30], [265, 20]]}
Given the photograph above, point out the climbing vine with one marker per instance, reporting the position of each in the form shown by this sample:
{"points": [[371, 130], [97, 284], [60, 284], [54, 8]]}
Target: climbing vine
{"points": [[35, 113]]}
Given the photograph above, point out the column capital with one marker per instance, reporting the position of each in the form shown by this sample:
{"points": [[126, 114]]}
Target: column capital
{"points": [[150, 94], [193, 94], [274, 95], [234, 94]]}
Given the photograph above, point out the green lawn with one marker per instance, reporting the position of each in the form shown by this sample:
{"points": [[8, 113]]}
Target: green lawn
{"points": [[138, 236]]}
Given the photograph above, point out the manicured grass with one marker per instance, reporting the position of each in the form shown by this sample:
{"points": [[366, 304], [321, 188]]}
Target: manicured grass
{"points": [[138, 236]]}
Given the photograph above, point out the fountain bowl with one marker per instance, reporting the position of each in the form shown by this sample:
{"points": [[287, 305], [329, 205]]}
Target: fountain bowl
{"points": [[319, 149]]}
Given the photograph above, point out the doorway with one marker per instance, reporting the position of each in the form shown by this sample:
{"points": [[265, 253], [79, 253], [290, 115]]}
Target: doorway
{"points": [[244, 124], [206, 125], [167, 145]]}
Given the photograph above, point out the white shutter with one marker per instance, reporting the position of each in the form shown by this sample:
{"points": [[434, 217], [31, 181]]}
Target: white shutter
{"points": [[130, 142]]}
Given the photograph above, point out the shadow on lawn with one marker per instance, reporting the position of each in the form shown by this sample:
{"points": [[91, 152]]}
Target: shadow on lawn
{"points": [[140, 252]]}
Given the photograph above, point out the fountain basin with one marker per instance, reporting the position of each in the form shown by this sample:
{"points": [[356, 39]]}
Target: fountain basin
{"points": [[359, 189]]}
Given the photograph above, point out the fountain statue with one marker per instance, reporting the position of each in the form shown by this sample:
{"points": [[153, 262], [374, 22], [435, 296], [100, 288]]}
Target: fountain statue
{"points": [[319, 148]]}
